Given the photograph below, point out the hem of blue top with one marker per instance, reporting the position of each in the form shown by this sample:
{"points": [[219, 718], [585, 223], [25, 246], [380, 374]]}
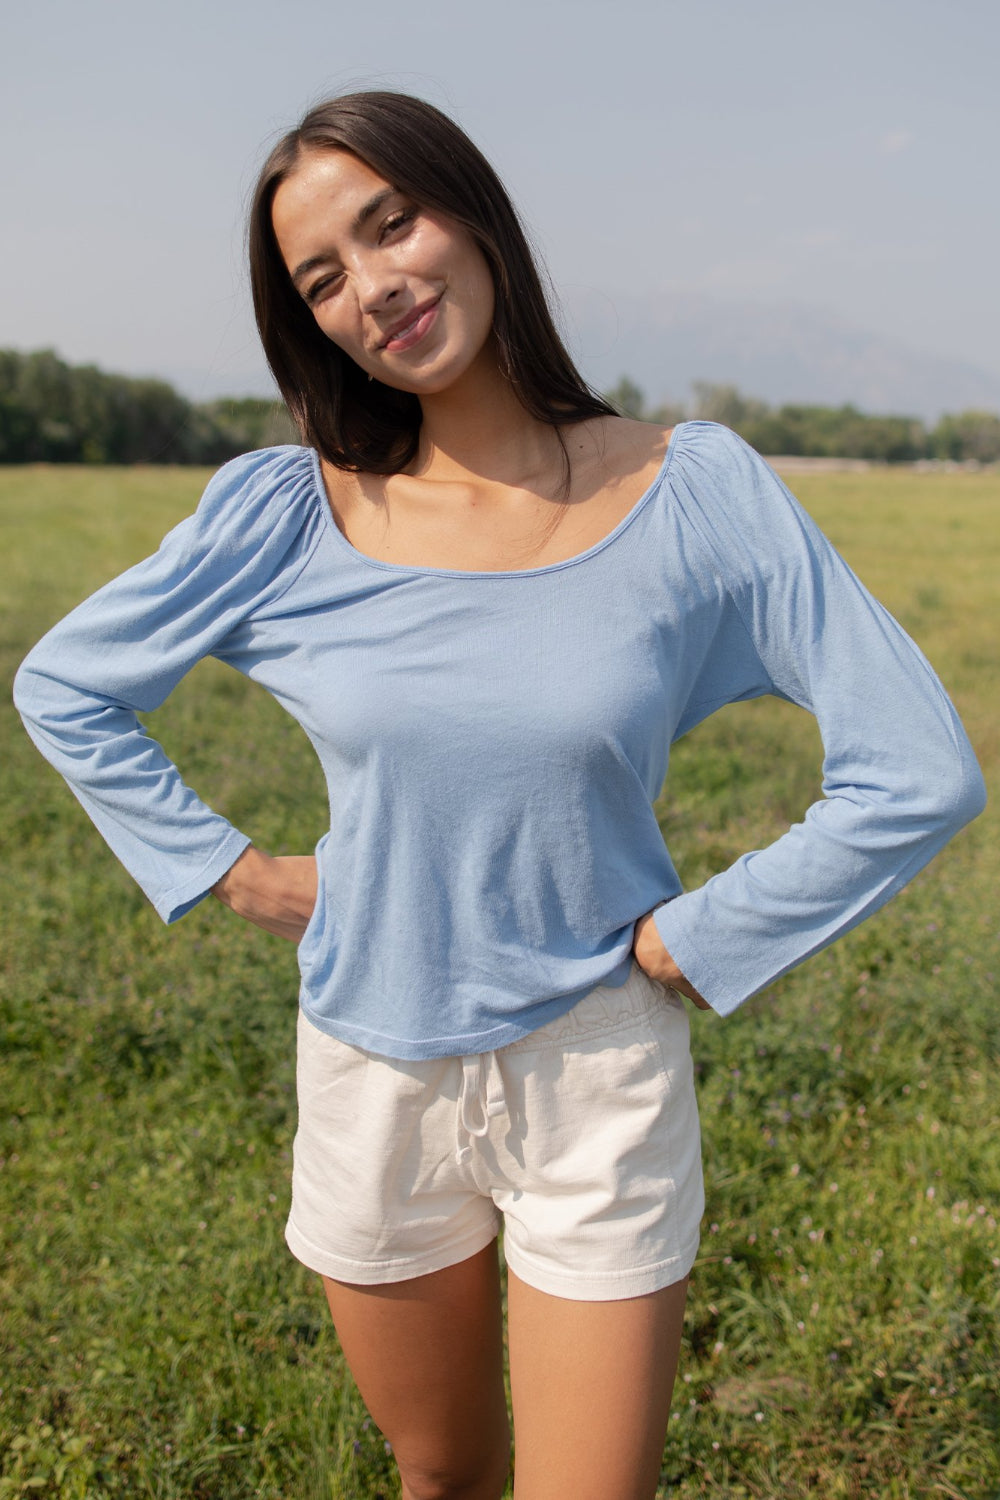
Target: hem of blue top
{"points": [[403, 1049]]}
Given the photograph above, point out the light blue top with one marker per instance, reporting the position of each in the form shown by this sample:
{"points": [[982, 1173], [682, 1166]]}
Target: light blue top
{"points": [[493, 742]]}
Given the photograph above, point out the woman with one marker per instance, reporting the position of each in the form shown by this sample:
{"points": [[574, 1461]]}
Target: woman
{"points": [[493, 604]]}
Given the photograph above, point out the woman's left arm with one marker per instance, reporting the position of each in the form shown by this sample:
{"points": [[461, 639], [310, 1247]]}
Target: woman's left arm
{"points": [[655, 960], [899, 775]]}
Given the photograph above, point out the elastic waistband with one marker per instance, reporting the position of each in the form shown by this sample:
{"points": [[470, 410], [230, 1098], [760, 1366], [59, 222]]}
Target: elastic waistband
{"points": [[600, 1011]]}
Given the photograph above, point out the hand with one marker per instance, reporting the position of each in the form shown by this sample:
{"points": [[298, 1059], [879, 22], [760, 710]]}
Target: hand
{"points": [[653, 958], [276, 893]]}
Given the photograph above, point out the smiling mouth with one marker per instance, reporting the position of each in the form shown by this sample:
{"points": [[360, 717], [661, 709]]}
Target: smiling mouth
{"points": [[405, 335]]}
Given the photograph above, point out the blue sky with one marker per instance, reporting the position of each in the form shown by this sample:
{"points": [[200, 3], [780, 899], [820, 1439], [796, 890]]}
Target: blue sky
{"points": [[841, 158]]}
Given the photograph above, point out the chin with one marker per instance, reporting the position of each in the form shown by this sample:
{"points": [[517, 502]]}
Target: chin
{"points": [[428, 383]]}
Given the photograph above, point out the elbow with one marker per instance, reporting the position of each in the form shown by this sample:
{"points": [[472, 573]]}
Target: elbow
{"points": [[41, 701], [924, 806], [958, 797], [974, 799], [24, 689]]}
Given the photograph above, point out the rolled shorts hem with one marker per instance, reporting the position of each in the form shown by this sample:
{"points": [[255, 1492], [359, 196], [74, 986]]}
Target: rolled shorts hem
{"points": [[602, 1286], [383, 1272]]}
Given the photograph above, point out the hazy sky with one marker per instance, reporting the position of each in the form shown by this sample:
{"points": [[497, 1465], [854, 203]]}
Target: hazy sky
{"points": [[839, 155]]}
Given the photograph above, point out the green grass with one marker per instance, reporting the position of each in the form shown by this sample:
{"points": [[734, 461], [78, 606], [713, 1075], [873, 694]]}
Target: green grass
{"points": [[843, 1332]]}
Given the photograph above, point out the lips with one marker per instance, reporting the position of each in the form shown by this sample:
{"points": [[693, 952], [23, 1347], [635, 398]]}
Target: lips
{"points": [[411, 329]]}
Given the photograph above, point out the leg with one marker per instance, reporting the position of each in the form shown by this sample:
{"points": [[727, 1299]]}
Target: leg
{"points": [[427, 1356], [591, 1384]]}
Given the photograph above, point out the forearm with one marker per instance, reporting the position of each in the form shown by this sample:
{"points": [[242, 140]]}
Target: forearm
{"points": [[277, 893]]}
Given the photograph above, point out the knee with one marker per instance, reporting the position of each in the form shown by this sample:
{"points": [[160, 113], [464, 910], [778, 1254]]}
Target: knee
{"points": [[480, 1479]]}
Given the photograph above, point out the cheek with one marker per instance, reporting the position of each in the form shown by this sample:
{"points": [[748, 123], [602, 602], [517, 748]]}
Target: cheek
{"points": [[480, 291], [459, 260], [335, 325], [488, 306]]}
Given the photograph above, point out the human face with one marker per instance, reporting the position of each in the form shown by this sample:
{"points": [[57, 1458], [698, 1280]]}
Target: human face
{"points": [[404, 291]]}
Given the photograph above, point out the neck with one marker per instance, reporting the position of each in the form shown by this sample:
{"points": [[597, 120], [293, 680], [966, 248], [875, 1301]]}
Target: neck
{"points": [[477, 428]]}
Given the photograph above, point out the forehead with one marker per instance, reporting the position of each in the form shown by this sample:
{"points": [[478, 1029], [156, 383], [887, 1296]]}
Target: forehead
{"points": [[322, 195]]}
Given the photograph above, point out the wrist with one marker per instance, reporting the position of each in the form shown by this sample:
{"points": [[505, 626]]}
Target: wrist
{"points": [[653, 956], [242, 877]]}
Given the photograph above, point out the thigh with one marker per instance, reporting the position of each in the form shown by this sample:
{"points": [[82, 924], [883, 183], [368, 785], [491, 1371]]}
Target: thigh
{"points": [[591, 1385], [427, 1356]]}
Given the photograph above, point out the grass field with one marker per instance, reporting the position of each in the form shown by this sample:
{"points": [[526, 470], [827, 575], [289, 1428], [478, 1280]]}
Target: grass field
{"points": [[843, 1331]]}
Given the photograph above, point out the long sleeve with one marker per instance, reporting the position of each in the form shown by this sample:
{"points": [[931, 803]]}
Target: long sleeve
{"points": [[899, 775], [122, 651]]}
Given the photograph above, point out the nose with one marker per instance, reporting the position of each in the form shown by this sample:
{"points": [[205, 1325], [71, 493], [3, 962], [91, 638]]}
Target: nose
{"points": [[377, 284]]}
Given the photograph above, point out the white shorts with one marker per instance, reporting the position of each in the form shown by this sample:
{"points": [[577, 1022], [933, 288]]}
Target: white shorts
{"points": [[582, 1139]]}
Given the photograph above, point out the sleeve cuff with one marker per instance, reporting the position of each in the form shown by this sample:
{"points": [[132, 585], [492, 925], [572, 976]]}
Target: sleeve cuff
{"points": [[177, 902]]}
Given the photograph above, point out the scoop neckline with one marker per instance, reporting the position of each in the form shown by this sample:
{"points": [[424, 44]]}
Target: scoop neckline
{"points": [[422, 570]]}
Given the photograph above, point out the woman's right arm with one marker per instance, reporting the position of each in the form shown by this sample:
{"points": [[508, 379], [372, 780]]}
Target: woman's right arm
{"points": [[119, 654]]}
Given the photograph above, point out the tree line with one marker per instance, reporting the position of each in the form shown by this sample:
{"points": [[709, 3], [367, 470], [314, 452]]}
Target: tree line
{"points": [[53, 412], [825, 431]]}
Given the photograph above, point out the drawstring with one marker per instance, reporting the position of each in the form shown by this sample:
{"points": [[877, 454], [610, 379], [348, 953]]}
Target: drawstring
{"points": [[482, 1092]]}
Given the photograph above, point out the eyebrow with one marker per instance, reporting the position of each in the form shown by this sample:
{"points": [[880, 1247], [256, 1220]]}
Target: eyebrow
{"points": [[364, 213]]}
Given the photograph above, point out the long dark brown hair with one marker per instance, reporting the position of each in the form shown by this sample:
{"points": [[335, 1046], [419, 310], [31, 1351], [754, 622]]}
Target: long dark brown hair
{"points": [[362, 424]]}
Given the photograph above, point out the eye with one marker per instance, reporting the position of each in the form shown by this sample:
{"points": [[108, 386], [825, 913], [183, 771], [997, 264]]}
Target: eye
{"points": [[322, 288], [395, 221]]}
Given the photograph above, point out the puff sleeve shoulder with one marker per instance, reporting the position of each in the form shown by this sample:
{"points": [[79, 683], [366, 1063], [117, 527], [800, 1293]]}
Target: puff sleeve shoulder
{"points": [[899, 775], [122, 651]]}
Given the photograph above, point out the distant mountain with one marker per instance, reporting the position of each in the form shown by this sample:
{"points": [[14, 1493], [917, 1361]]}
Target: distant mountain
{"points": [[780, 352]]}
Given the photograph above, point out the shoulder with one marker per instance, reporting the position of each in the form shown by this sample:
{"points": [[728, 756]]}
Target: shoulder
{"points": [[251, 482], [739, 508], [714, 451], [256, 524], [622, 443], [255, 502], [615, 453], [719, 474]]}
